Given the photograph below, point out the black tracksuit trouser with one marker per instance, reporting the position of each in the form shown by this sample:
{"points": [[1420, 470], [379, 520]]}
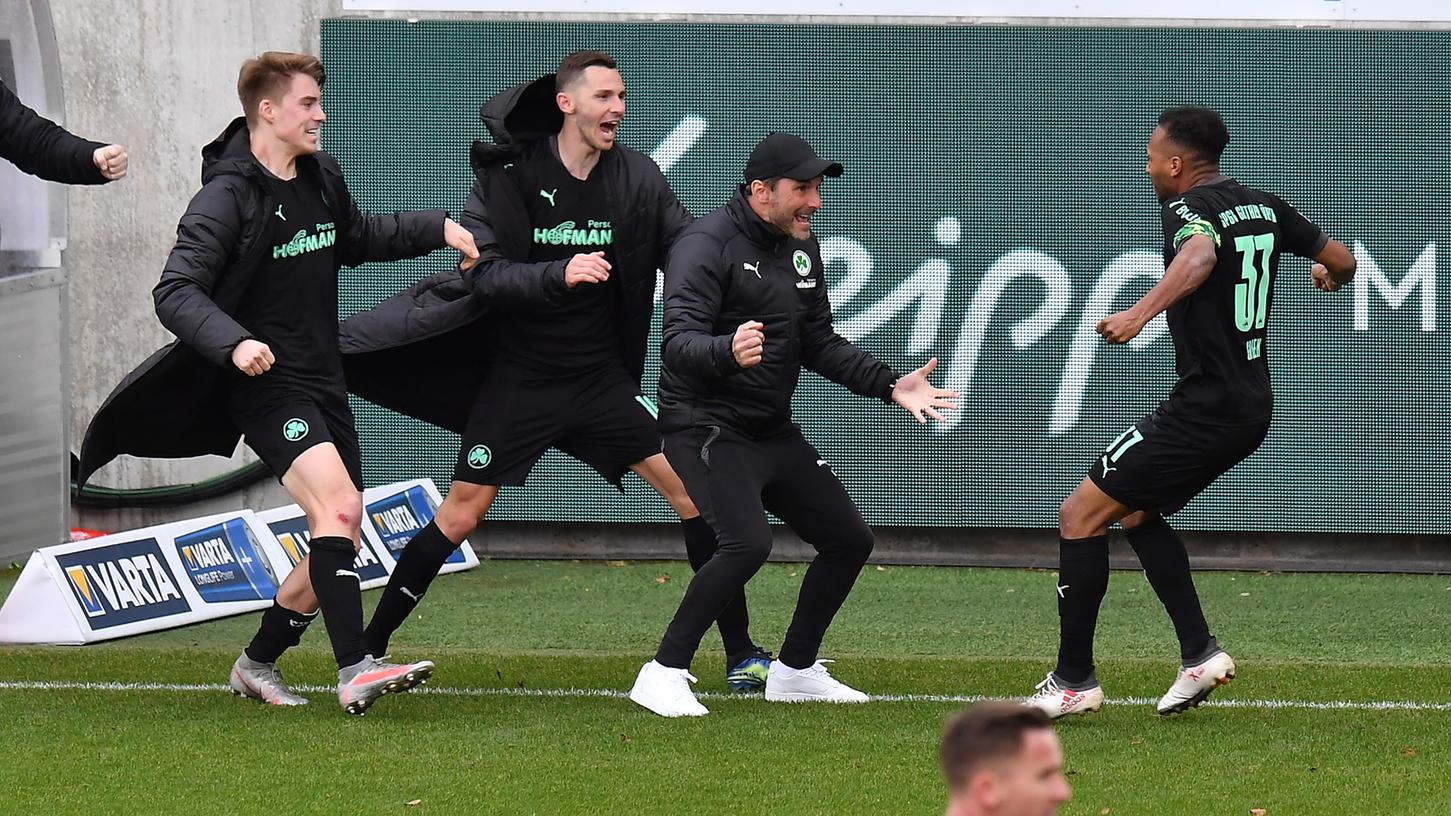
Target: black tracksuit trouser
{"points": [[734, 480]]}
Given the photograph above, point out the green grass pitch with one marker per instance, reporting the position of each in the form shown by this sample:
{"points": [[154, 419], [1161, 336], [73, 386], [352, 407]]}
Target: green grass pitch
{"points": [[1300, 732]]}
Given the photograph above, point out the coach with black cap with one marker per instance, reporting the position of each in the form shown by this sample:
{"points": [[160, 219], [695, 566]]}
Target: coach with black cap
{"points": [[745, 309]]}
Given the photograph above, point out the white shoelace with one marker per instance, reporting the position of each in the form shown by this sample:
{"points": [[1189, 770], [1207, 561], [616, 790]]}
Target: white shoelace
{"points": [[1049, 687]]}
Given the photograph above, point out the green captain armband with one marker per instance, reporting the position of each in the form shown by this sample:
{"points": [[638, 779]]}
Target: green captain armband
{"points": [[1196, 227]]}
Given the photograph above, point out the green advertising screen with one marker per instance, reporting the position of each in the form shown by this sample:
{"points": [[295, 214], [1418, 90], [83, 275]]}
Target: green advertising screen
{"points": [[994, 207]]}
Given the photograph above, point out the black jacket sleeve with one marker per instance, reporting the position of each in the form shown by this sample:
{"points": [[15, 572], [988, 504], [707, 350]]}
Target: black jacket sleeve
{"points": [[503, 280], [42, 148], [836, 358], [370, 237], [207, 241], [694, 295], [674, 218]]}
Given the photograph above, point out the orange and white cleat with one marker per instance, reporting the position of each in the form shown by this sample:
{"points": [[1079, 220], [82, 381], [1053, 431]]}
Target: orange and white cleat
{"points": [[360, 685]]}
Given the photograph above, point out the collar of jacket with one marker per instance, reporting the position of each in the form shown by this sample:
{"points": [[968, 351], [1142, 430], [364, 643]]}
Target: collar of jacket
{"points": [[231, 154], [515, 117], [752, 226]]}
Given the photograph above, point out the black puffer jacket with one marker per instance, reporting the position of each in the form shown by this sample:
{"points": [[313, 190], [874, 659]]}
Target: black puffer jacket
{"points": [[42, 148], [173, 404], [731, 267], [424, 351]]}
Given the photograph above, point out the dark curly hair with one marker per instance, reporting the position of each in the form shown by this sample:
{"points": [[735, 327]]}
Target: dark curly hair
{"points": [[1197, 129]]}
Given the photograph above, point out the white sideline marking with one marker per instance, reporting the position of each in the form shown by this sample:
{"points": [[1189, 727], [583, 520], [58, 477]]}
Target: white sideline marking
{"points": [[616, 694]]}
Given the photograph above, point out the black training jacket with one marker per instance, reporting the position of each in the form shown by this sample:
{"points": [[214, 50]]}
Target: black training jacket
{"points": [[731, 267], [42, 148], [424, 351], [173, 404]]}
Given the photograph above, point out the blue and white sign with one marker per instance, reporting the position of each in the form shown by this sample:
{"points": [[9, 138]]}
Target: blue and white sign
{"points": [[198, 569], [225, 563]]}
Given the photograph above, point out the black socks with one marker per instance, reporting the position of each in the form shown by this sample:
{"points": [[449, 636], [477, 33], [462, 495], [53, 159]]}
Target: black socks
{"points": [[419, 564], [1082, 583], [336, 584], [1166, 564], [280, 630]]}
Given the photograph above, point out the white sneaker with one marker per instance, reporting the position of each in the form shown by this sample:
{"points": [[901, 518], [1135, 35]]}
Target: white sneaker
{"points": [[666, 691], [811, 684], [1056, 699], [1195, 683]]}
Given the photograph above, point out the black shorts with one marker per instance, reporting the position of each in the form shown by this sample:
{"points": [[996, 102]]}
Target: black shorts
{"points": [[1165, 460], [599, 418], [281, 419]]}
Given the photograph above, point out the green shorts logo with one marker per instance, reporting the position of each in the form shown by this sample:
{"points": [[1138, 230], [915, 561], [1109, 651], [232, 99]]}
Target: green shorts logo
{"points": [[801, 262], [480, 456], [294, 429]]}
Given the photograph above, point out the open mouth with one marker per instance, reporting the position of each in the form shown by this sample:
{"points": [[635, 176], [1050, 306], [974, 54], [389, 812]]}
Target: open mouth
{"points": [[803, 220], [610, 129], [311, 133]]}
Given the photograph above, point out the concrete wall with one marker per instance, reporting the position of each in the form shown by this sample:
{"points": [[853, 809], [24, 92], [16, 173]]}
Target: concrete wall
{"points": [[158, 76]]}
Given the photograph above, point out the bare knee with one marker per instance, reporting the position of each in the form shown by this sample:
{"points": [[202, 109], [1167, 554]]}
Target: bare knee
{"points": [[1068, 515], [1136, 519], [682, 505], [341, 514], [1077, 518], [460, 513]]}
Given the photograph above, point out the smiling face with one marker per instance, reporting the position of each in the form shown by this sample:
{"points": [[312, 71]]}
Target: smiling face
{"points": [[594, 106], [296, 118], [787, 204]]}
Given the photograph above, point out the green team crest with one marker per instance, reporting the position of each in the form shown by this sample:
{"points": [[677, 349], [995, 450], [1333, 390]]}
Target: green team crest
{"points": [[801, 262], [294, 429], [480, 456]]}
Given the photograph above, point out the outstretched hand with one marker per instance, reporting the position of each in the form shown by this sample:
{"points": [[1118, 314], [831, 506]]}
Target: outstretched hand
{"points": [[921, 398]]}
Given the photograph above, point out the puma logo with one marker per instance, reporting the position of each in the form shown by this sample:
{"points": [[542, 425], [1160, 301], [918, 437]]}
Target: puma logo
{"points": [[549, 196], [406, 591], [1106, 469], [347, 574], [279, 213], [755, 267]]}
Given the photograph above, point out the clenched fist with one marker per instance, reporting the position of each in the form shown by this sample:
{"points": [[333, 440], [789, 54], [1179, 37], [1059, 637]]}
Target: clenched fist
{"points": [[111, 161], [749, 343], [252, 357]]}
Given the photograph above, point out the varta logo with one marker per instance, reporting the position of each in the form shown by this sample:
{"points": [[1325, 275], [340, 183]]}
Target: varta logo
{"points": [[303, 243], [123, 583], [396, 520], [598, 233], [214, 552]]}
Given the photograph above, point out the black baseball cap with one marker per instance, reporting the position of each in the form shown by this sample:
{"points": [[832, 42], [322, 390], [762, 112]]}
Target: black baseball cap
{"points": [[786, 155]]}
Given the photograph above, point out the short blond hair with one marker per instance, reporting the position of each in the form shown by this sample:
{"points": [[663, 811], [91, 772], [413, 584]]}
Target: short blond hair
{"points": [[268, 77]]}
